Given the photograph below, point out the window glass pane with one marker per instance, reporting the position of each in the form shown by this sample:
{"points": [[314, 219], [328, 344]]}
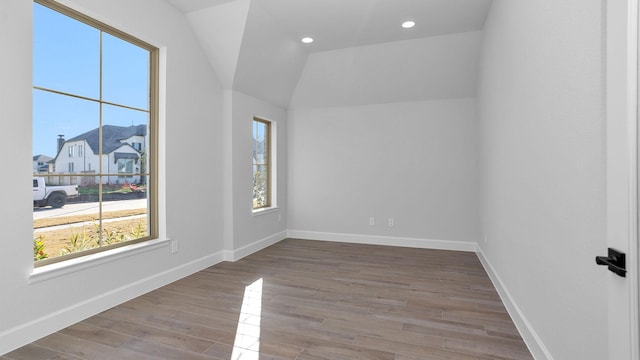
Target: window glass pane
{"points": [[125, 211], [260, 142], [66, 53], [125, 71], [55, 115], [62, 231], [260, 186], [122, 130], [120, 116]]}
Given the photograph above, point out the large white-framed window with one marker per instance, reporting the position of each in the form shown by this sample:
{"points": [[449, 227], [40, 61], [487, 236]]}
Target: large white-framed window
{"points": [[97, 86], [263, 161]]}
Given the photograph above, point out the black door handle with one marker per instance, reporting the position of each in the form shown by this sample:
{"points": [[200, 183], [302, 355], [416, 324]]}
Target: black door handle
{"points": [[616, 262]]}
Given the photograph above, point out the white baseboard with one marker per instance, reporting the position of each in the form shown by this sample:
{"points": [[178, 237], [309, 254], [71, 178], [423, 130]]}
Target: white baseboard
{"points": [[35, 329], [384, 240], [235, 255], [528, 333]]}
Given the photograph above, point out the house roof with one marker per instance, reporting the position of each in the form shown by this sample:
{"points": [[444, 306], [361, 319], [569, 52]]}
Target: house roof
{"points": [[43, 158], [112, 137]]}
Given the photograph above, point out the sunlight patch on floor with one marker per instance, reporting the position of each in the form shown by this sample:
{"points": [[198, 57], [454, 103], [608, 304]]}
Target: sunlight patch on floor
{"points": [[247, 343]]}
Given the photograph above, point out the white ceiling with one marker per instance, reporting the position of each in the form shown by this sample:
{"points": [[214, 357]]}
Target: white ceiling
{"points": [[187, 6], [336, 24], [254, 47]]}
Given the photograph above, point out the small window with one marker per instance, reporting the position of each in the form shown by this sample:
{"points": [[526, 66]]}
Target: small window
{"points": [[125, 166], [80, 150], [71, 148], [261, 164], [71, 168]]}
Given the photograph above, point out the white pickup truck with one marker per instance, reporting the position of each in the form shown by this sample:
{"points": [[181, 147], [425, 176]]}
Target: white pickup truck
{"points": [[54, 196]]}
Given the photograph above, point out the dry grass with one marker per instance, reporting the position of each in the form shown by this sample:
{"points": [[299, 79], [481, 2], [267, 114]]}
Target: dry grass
{"points": [[56, 240], [41, 223]]}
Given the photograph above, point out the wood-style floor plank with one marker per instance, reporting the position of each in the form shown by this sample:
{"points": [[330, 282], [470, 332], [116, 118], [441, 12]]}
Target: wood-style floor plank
{"points": [[306, 300]]}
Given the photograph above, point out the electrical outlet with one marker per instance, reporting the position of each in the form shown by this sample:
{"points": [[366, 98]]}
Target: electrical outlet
{"points": [[174, 246], [390, 222], [372, 221]]}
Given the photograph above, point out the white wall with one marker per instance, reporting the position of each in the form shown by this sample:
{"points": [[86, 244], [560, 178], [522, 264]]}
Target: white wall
{"points": [[192, 119], [252, 231], [249, 50], [270, 61], [413, 161], [220, 30], [438, 67], [387, 131], [540, 102]]}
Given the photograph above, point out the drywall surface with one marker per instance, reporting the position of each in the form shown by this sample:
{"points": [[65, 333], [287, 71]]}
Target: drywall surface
{"points": [[414, 162], [190, 183], [540, 101], [270, 61], [220, 30], [249, 50], [432, 68], [249, 227]]}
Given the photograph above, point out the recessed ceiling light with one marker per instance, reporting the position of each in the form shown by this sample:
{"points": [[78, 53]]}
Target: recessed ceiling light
{"points": [[307, 40], [408, 24]]}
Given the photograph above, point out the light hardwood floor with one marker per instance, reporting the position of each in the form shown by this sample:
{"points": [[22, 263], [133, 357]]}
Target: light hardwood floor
{"points": [[306, 300]]}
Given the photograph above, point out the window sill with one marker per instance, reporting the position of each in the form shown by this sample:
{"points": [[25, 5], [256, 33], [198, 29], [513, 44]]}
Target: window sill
{"points": [[265, 211], [62, 268]]}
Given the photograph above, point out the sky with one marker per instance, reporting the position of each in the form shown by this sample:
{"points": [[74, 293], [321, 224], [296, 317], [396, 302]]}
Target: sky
{"points": [[67, 58]]}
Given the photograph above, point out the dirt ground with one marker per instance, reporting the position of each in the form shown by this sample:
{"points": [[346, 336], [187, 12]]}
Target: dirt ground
{"points": [[56, 240]]}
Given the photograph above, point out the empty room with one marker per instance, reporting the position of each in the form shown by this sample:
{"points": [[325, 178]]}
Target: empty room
{"points": [[319, 179]]}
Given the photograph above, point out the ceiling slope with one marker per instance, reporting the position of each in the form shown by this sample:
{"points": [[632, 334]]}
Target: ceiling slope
{"points": [[439, 67], [270, 61], [187, 6], [220, 30], [248, 50]]}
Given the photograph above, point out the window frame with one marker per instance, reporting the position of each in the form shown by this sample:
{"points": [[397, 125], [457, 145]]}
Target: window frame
{"points": [[151, 172], [269, 163]]}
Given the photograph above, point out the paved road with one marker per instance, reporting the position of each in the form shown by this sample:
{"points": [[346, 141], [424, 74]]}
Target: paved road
{"points": [[87, 208]]}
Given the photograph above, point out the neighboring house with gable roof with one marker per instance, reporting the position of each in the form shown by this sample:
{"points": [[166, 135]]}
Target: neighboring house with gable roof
{"points": [[122, 147], [41, 163]]}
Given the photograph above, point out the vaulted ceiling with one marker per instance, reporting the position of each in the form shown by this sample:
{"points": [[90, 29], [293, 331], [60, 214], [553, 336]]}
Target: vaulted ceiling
{"points": [[255, 48]]}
